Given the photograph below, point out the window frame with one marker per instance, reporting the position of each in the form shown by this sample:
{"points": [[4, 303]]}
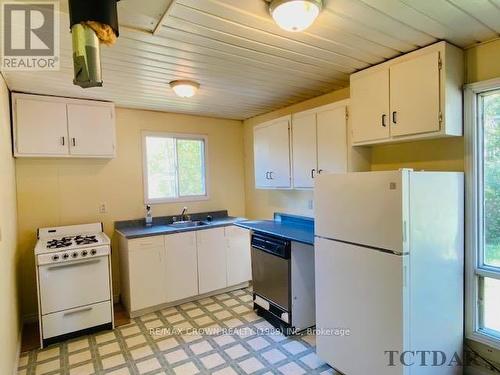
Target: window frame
{"points": [[475, 267], [177, 136]]}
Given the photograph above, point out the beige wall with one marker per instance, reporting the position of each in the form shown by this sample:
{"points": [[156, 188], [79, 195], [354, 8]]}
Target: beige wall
{"points": [[483, 61], [63, 192], [263, 203], [9, 312]]}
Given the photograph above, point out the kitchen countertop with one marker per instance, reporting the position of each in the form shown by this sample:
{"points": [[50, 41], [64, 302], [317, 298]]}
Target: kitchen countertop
{"points": [[137, 229], [290, 227]]}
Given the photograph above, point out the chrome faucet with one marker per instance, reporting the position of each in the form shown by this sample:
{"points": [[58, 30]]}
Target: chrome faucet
{"points": [[183, 214]]}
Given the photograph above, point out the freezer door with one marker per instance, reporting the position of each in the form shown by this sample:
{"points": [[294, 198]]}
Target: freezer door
{"points": [[360, 290], [366, 208]]}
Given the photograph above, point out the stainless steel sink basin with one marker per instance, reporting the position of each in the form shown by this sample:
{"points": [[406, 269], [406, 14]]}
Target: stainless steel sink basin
{"points": [[188, 224]]}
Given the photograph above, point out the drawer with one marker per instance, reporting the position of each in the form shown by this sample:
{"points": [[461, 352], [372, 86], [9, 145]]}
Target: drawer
{"points": [[73, 320], [145, 243]]}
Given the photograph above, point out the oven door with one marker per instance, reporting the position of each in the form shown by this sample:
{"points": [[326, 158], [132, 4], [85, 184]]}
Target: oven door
{"points": [[271, 277], [72, 284]]}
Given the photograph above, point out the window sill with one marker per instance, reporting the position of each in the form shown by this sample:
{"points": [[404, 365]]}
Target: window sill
{"points": [[197, 198], [484, 338]]}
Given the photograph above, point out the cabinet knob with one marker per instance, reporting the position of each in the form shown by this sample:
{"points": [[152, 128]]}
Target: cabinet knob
{"points": [[384, 117], [73, 140], [271, 176], [312, 172], [63, 141]]}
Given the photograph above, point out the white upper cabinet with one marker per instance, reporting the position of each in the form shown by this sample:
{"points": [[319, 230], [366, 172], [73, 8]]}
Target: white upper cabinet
{"points": [[332, 140], [91, 129], [304, 151], [412, 97], [370, 105], [272, 154], [319, 143], [62, 127], [415, 106], [37, 134]]}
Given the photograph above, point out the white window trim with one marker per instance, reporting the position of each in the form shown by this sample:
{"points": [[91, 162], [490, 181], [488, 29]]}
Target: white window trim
{"points": [[473, 232], [193, 198]]}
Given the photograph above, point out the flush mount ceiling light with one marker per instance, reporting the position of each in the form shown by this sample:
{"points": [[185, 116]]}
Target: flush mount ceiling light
{"points": [[185, 89], [295, 15]]}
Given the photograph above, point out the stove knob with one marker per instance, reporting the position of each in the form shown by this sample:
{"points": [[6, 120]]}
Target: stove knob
{"points": [[66, 256], [93, 252], [84, 253], [55, 258], [74, 255]]}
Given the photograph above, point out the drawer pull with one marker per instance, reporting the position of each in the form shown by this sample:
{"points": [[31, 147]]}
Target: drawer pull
{"points": [[84, 309]]}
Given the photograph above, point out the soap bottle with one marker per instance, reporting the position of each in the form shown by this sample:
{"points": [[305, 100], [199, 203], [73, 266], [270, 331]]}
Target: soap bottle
{"points": [[149, 216]]}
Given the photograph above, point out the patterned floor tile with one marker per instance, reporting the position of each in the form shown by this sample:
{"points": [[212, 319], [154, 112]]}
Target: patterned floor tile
{"points": [[216, 335]]}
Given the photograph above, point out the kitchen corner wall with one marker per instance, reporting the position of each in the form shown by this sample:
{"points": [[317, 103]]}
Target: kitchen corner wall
{"points": [[54, 192], [9, 307]]}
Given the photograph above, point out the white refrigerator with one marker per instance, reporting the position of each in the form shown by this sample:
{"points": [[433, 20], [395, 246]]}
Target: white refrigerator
{"points": [[389, 263]]}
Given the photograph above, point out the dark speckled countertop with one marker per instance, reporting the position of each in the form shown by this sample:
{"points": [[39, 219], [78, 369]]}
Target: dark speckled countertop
{"points": [[290, 227], [131, 229]]}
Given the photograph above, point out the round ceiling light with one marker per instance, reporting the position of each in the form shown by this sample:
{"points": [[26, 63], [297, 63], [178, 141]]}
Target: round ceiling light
{"points": [[185, 89], [295, 15]]}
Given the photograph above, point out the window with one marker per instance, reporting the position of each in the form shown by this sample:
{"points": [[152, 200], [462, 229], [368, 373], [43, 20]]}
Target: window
{"points": [[174, 167], [483, 211]]}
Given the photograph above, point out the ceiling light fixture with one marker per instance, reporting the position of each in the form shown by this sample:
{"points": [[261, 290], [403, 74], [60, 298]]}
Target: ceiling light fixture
{"points": [[295, 15], [184, 88]]}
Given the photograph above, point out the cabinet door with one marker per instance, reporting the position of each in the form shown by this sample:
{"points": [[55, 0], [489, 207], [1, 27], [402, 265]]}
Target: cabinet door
{"points": [[304, 150], [332, 141], [279, 153], [91, 130], [370, 106], [41, 128], [261, 143], [415, 97], [211, 260], [239, 264], [147, 272], [181, 266]]}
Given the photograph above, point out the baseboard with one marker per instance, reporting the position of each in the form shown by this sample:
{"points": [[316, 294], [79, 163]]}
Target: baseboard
{"points": [[18, 351]]}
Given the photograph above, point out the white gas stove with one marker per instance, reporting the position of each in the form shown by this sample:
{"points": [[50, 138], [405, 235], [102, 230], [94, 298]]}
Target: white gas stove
{"points": [[74, 281]]}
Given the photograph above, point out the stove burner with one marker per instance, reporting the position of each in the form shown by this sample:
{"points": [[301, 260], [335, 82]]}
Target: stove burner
{"points": [[69, 241], [85, 240], [57, 244]]}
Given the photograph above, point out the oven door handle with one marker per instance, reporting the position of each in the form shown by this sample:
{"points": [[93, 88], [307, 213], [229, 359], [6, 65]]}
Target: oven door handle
{"points": [[84, 309], [73, 264]]}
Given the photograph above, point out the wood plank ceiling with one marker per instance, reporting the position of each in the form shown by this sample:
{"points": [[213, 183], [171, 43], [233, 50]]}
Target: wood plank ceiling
{"points": [[247, 65]]}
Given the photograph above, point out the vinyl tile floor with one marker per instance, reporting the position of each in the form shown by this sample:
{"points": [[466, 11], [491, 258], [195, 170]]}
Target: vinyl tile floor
{"points": [[216, 335]]}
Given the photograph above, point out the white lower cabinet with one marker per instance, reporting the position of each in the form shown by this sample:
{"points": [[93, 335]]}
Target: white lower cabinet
{"points": [[181, 266], [238, 262], [175, 267], [146, 272], [211, 260]]}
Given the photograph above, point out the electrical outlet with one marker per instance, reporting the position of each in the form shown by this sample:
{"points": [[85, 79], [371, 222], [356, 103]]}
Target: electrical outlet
{"points": [[103, 209], [310, 204]]}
